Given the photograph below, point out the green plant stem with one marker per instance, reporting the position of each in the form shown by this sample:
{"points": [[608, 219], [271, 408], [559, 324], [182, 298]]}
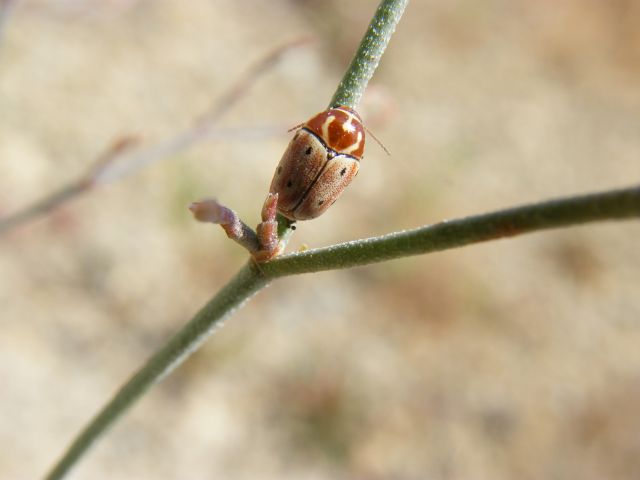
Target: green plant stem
{"points": [[564, 212], [366, 59], [246, 282]]}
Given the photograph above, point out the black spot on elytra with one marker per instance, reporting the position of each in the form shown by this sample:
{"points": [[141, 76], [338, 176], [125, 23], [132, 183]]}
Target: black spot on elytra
{"points": [[293, 227], [320, 202], [308, 151], [343, 171], [279, 170], [289, 184]]}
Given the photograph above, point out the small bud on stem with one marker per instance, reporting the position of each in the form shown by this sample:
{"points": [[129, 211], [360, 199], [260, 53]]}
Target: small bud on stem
{"points": [[209, 210]]}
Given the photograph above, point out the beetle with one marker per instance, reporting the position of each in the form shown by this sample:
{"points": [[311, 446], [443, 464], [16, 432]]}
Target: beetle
{"points": [[320, 162]]}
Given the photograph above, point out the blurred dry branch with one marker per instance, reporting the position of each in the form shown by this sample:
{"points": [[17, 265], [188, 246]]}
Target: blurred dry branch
{"points": [[6, 6], [120, 159], [63, 195]]}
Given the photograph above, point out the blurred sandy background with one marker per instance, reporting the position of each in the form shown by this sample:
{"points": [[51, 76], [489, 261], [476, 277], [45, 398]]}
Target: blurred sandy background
{"points": [[515, 359]]}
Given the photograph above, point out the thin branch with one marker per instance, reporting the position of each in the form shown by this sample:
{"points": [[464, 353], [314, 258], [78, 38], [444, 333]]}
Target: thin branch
{"points": [[366, 59], [119, 163], [611, 205], [246, 81], [42, 207], [127, 165], [70, 191], [564, 212]]}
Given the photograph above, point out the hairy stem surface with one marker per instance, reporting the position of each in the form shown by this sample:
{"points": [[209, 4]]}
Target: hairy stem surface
{"points": [[367, 57], [563, 212]]}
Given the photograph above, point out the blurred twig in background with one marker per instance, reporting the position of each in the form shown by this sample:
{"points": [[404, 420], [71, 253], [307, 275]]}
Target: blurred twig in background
{"points": [[85, 182], [6, 6], [121, 159]]}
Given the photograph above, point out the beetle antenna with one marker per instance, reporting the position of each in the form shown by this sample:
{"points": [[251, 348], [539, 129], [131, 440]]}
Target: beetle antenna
{"points": [[377, 141], [295, 128]]}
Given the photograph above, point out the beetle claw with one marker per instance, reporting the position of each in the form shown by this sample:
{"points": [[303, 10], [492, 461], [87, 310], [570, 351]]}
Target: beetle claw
{"points": [[267, 230], [270, 207]]}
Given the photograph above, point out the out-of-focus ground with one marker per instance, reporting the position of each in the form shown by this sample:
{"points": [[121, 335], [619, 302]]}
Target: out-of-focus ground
{"points": [[513, 359]]}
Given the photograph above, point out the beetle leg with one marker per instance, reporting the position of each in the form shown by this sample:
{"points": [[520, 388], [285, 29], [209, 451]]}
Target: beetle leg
{"points": [[209, 210], [268, 230]]}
